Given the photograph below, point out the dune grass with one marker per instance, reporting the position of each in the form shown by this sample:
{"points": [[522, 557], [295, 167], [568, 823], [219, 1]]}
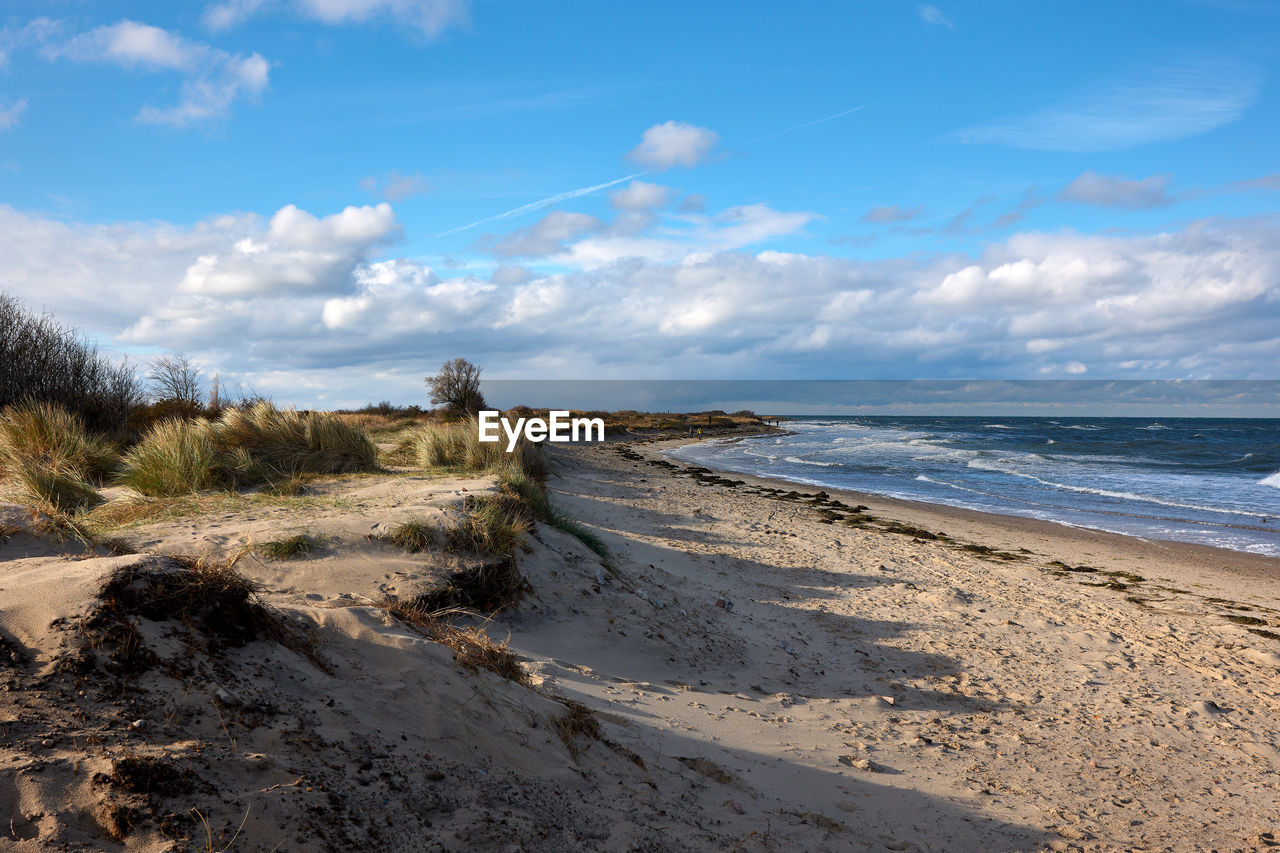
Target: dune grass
{"points": [[533, 493], [261, 444], [179, 457], [293, 548], [457, 446], [295, 442], [49, 460], [412, 536], [54, 491], [473, 647], [491, 524], [56, 436]]}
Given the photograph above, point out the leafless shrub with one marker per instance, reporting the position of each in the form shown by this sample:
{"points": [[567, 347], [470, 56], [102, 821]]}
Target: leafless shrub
{"points": [[43, 360]]}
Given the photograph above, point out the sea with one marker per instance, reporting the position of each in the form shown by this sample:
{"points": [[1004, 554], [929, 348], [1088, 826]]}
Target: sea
{"points": [[1207, 481]]}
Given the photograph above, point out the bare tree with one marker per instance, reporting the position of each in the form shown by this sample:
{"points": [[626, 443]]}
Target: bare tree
{"points": [[175, 378], [41, 359], [457, 386]]}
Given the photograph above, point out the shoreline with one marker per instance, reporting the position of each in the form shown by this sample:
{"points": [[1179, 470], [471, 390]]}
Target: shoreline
{"points": [[1182, 562], [1097, 693]]}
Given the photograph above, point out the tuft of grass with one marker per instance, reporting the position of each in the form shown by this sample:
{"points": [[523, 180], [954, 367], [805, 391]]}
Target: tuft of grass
{"points": [[294, 442], [533, 493], [293, 548], [254, 445], [43, 433], [412, 536], [178, 457], [49, 460], [458, 446], [474, 648], [575, 725], [289, 487], [491, 525], [496, 524], [487, 587], [54, 490]]}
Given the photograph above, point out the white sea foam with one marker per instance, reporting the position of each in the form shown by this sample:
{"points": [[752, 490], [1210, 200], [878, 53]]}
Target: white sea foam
{"points": [[798, 461], [1124, 496], [1271, 480]]}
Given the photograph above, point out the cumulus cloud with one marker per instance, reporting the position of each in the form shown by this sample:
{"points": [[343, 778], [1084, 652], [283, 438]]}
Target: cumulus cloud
{"points": [[213, 79], [299, 253], [12, 114], [933, 15], [1169, 103], [674, 143], [305, 307], [1114, 191], [429, 17], [545, 236], [640, 195], [888, 213]]}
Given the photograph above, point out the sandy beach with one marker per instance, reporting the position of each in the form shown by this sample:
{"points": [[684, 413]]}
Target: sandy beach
{"points": [[768, 669]]}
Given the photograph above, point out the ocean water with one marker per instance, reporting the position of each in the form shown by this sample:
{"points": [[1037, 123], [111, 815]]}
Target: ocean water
{"points": [[1208, 481]]}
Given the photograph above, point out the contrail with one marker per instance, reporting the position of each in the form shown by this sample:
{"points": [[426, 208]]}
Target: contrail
{"points": [[546, 202], [811, 123]]}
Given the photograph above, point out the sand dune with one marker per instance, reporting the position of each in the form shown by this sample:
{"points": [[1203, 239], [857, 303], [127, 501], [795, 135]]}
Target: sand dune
{"points": [[765, 676]]}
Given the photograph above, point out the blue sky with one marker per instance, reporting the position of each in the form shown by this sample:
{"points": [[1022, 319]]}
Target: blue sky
{"points": [[315, 197]]}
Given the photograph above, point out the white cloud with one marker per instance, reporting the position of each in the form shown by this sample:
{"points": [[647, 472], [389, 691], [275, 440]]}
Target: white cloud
{"points": [[735, 228], [131, 44], [12, 114], [674, 143], [545, 236], [1115, 191], [229, 13], [302, 306], [640, 195], [1170, 103], [299, 253], [933, 15], [213, 78], [429, 17]]}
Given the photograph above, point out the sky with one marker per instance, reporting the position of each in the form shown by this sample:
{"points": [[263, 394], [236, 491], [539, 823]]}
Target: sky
{"points": [[323, 200]]}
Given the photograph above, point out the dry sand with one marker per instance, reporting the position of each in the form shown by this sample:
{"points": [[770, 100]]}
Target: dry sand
{"points": [[861, 688]]}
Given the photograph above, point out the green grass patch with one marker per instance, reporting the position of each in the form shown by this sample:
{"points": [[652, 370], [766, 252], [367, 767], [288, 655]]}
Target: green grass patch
{"points": [[293, 548], [411, 536]]}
